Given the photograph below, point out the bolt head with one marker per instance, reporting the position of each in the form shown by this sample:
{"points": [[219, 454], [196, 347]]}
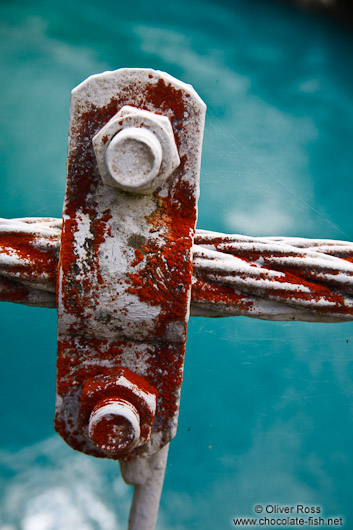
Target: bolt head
{"points": [[136, 150]]}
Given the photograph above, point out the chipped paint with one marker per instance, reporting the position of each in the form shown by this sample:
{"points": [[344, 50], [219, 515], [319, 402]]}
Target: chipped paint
{"points": [[29, 250]]}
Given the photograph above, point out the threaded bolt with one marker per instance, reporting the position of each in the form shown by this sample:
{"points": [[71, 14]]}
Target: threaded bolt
{"points": [[114, 426]]}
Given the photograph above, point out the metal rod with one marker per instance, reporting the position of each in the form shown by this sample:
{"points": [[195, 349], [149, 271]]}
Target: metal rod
{"points": [[146, 474]]}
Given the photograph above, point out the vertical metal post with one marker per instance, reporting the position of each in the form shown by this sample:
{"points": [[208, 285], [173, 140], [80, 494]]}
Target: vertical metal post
{"points": [[146, 474]]}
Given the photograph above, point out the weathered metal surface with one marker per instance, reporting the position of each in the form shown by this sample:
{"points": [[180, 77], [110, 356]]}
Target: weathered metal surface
{"points": [[125, 260], [272, 278], [29, 251], [277, 270]]}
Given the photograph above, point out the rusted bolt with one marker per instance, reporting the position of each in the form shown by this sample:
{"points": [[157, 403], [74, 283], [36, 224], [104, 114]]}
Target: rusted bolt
{"points": [[136, 150], [117, 411], [114, 426]]}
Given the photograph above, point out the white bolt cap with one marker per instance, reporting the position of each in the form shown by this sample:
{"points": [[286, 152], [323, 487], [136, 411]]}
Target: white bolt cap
{"points": [[134, 157]]}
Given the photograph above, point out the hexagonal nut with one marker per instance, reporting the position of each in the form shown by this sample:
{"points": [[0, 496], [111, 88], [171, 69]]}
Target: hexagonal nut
{"points": [[136, 150], [117, 411]]}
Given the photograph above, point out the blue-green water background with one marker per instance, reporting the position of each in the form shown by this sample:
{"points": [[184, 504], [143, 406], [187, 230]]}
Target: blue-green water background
{"points": [[267, 408]]}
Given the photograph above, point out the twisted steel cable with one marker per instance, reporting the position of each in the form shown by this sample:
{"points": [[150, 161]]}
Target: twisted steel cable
{"points": [[272, 278]]}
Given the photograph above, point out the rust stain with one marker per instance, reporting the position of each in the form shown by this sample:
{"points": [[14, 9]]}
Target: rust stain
{"points": [[31, 260]]}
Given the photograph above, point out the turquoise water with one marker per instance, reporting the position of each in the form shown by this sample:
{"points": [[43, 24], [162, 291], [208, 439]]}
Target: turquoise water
{"points": [[267, 408]]}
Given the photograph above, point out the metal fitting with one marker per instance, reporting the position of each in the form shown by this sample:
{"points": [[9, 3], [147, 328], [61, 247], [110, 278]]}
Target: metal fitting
{"points": [[114, 426], [117, 411], [136, 150]]}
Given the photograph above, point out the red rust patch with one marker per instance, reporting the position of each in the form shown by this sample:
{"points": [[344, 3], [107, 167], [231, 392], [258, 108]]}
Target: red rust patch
{"points": [[166, 97], [207, 292], [33, 262]]}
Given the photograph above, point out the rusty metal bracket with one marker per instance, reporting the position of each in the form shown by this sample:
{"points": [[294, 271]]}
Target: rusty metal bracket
{"points": [[130, 272], [125, 268]]}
